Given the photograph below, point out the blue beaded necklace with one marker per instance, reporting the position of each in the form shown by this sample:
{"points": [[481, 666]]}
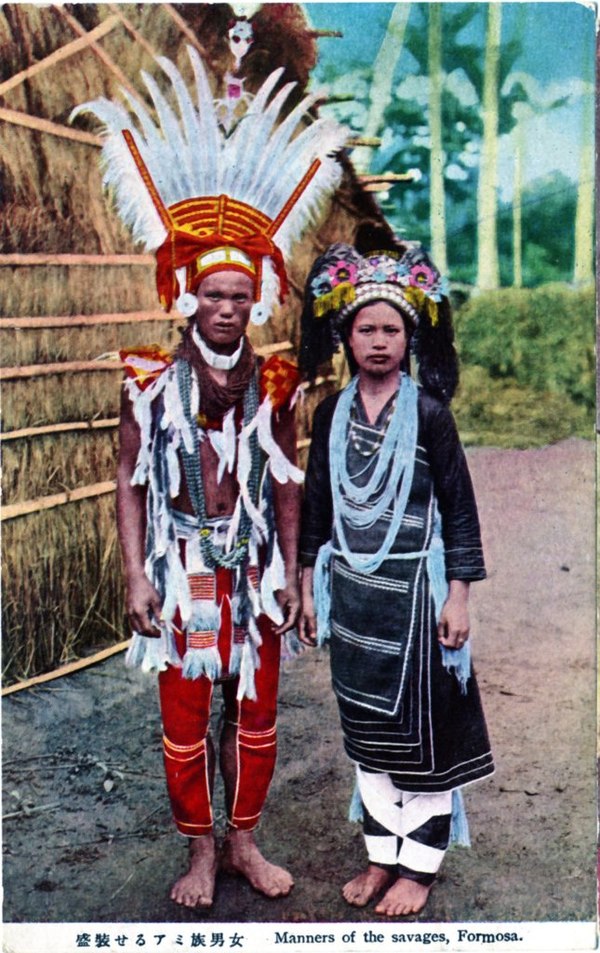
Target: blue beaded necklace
{"points": [[212, 555], [359, 507]]}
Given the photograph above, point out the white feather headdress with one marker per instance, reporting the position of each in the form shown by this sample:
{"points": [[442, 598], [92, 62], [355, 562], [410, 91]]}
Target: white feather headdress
{"points": [[181, 183]]}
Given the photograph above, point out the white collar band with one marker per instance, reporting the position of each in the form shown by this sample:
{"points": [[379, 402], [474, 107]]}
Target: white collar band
{"points": [[220, 362]]}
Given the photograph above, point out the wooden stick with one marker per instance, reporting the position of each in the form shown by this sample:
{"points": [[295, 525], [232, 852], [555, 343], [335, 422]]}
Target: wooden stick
{"points": [[69, 49], [100, 53], [370, 141], [85, 320], [277, 348], [187, 31], [76, 666], [73, 367], [44, 125], [75, 425], [62, 367], [48, 258], [31, 810], [387, 177], [27, 507], [132, 30]]}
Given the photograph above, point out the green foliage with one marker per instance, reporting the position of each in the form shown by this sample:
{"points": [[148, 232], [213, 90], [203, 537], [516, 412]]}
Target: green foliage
{"points": [[500, 413], [528, 368]]}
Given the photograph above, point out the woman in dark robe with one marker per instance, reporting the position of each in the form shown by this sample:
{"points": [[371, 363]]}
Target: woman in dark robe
{"points": [[390, 544]]}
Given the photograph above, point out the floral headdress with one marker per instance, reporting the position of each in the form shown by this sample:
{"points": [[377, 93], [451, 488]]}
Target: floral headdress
{"points": [[207, 193], [342, 281]]}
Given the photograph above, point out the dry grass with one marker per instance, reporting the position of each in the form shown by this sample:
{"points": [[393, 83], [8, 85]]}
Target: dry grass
{"points": [[40, 290], [62, 586], [41, 466], [64, 397], [20, 346]]}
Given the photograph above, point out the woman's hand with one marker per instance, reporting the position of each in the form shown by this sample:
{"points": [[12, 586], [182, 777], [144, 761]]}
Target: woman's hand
{"points": [[453, 627], [307, 629]]}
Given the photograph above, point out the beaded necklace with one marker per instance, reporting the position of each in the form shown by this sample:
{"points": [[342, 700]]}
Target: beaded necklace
{"points": [[213, 555], [367, 446], [360, 507]]}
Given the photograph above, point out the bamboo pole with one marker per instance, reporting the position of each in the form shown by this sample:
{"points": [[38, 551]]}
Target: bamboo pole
{"points": [[52, 128], [68, 669], [187, 32], [371, 141], [67, 427], [100, 53], [94, 490], [108, 423], [61, 367], [386, 177], [73, 367], [27, 507], [63, 53], [132, 30], [84, 320], [47, 258]]}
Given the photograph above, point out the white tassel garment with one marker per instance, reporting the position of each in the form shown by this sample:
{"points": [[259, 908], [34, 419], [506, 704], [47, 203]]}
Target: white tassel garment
{"points": [[281, 468]]}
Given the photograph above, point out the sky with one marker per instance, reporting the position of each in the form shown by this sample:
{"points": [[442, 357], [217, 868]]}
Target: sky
{"points": [[557, 38]]}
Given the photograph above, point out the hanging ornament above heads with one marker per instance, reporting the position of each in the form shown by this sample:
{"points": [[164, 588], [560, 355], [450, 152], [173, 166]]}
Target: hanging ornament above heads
{"points": [[240, 40], [229, 105], [205, 199]]}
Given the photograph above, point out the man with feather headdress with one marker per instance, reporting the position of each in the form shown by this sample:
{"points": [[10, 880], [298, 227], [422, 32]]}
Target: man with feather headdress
{"points": [[207, 489]]}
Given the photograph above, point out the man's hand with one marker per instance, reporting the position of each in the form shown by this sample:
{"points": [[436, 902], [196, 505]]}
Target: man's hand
{"points": [[453, 627], [288, 599], [143, 607], [307, 630]]}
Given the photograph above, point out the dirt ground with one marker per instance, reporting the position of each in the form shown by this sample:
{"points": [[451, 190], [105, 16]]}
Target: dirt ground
{"points": [[87, 831]]}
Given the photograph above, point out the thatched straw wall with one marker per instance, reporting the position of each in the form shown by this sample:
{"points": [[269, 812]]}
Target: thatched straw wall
{"points": [[61, 572]]}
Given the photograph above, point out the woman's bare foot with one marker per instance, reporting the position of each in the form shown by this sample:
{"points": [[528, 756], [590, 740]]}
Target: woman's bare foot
{"points": [[240, 855], [405, 897], [196, 888], [367, 885]]}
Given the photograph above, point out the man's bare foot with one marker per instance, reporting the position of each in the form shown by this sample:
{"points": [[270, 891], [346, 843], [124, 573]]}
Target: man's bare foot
{"points": [[240, 855], [367, 885], [197, 887], [405, 897]]}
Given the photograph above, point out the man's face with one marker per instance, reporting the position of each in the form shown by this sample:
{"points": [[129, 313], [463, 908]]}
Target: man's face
{"points": [[224, 302], [378, 339]]}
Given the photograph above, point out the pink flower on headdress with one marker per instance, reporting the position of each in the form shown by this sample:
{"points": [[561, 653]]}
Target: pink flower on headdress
{"points": [[421, 276], [342, 271]]}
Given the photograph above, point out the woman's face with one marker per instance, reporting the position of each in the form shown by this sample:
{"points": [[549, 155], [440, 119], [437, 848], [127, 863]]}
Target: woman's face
{"points": [[378, 339]]}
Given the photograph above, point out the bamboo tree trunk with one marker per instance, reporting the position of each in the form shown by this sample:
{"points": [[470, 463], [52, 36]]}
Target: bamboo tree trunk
{"points": [[518, 210], [436, 156], [583, 263], [384, 68], [487, 238]]}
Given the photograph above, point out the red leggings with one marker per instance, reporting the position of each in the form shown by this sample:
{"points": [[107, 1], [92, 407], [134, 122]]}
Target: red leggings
{"points": [[185, 708]]}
